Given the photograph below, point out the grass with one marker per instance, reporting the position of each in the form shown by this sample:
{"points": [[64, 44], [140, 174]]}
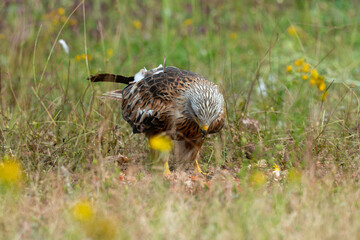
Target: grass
{"points": [[74, 149]]}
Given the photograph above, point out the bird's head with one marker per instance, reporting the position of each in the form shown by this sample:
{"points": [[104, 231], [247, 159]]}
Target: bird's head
{"points": [[204, 103]]}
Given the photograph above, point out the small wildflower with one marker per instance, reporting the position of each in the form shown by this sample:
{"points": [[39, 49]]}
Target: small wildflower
{"points": [[161, 143], [110, 52], [78, 58], [10, 171], [82, 211], [276, 171], [188, 22], [299, 62], [304, 77], [137, 24], [233, 36], [61, 11], [312, 81], [322, 87], [314, 74], [2, 36], [292, 30], [289, 68], [306, 67], [83, 56]]}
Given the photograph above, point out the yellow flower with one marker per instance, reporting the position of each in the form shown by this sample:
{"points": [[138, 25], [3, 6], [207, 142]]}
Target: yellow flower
{"points": [[61, 11], [289, 68], [110, 52], [314, 74], [82, 211], [276, 171], [276, 167], [257, 179], [188, 22], [2, 36], [306, 67], [161, 143], [137, 24], [83, 57], [304, 77], [10, 171], [292, 30], [233, 36], [299, 62], [322, 87], [312, 81]]}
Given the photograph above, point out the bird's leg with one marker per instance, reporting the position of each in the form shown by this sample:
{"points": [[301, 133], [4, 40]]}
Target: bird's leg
{"points": [[167, 171], [195, 149], [156, 155], [197, 167]]}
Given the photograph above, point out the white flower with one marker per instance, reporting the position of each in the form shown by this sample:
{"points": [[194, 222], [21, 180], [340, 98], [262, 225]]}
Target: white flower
{"points": [[64, 45]]}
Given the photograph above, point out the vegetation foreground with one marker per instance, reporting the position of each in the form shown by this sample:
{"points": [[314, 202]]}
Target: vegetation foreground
{"points": [[286, 165]]}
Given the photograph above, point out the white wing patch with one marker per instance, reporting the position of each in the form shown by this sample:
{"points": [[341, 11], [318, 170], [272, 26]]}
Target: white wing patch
{"points": [[144, 72], [157, 70], [140, 75]]}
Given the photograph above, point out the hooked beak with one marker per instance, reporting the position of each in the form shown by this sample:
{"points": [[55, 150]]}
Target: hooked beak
{"points": [[204, 130]]}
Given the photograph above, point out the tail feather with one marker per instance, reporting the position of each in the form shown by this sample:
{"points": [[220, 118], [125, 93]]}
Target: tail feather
{"points": [[114, 95], [107, 77]]}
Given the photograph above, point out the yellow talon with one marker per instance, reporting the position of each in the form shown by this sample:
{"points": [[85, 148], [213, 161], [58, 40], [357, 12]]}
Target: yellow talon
{"points": [[167, 171], [197, 167]]}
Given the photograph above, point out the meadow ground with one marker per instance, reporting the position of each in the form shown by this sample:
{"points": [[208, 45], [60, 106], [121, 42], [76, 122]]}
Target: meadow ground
{"points": [[286, 166]]}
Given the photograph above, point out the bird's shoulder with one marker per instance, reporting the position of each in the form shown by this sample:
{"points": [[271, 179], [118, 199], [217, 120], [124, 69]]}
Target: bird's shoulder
{"points": [[164, 83]]}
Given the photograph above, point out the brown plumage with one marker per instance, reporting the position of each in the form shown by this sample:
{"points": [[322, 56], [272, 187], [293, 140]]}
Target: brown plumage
{"points": [[179, 103]]}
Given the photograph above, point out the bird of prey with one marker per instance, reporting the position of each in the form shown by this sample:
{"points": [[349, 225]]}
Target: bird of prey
{"points": [[167, 100]]}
